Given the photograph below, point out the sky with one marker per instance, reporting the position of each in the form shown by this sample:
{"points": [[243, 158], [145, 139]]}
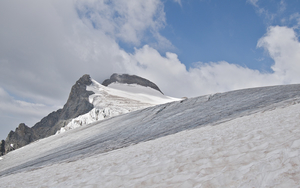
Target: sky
{"points": [[187, 47]]}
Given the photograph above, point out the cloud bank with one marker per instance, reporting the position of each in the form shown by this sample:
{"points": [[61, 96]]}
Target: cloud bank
{"points": [[45, 46]]}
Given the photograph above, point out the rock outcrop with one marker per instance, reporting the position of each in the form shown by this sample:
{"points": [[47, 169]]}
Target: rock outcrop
{"points": [[77, 104], [2, 148], [22, 136], [130, 79]]}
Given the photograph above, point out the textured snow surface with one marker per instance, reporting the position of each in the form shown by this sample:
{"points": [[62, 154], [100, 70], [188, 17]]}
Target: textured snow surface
{"points": [[117, 99], [140, 93], [259, 150], [245, 138]]}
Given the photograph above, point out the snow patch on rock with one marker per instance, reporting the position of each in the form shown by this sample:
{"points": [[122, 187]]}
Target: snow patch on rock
{"points": [[116, 99]]}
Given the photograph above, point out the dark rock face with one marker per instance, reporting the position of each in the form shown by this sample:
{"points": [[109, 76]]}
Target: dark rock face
{"points": [[2, 150], [77, 104], [43, 127], [22, 136], [130, 79], [78, 101]]}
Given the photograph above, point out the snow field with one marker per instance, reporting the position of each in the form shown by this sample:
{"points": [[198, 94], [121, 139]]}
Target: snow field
{"points": [[259, 150], [131, 92]]}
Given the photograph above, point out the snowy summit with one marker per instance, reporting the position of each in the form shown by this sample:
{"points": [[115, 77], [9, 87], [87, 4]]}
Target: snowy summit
{"points": [[119, 97]]}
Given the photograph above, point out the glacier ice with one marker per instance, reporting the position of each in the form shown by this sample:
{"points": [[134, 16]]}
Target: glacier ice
{"points": [[116, 99]]}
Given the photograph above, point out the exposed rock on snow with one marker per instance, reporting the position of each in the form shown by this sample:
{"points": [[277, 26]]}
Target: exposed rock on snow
{"points": [[130, 79], [22, 136], [78, 101]]}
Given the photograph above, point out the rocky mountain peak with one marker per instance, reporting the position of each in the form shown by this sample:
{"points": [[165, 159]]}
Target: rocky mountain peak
{"points": [[84, 80], [78, 90], [22, 136], [130, 79], [22, 127], [77, 104]]}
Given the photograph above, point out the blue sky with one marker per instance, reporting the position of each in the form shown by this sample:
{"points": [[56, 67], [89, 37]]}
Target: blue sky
{"points": [[187, 47], [211, 31], [215, 31]]}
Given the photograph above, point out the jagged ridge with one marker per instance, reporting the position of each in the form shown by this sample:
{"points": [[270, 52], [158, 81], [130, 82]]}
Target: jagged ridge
{"points": [[77, 104]]}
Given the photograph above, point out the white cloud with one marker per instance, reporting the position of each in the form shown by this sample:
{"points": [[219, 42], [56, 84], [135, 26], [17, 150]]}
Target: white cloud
{"points": [[283, 46], [175, 79], [204, 78], [126, 20], [45, 48]]}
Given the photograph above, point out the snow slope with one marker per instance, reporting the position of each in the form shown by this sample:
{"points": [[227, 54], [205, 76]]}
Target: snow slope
{"points": [[259, 150], [245, 138], [117, 99]]}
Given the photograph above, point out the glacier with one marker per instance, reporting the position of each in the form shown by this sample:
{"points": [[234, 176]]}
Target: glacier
{"points": [[116, 99], [243, 138]]}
